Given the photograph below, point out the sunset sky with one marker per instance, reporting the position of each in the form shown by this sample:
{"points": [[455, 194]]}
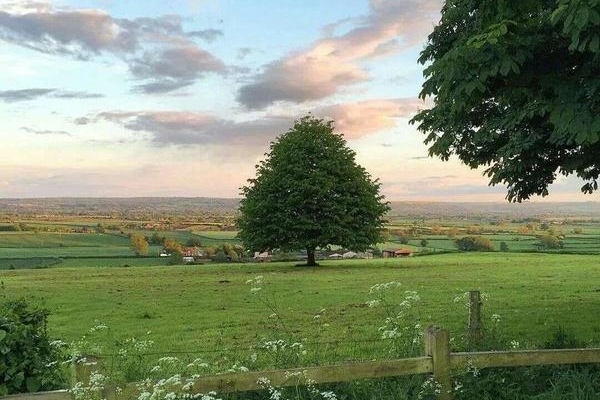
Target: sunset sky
{"points": [[181, 97]]}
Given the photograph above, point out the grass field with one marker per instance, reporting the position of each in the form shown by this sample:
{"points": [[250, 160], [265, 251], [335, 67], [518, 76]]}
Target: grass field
{"points": [[49, 249], [202, 308]]}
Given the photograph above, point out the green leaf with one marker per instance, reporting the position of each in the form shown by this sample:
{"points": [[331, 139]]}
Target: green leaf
{"points": [[18, 379], [33, 384], [582, 17], [2, 334], [556, 14], [595, 44]]}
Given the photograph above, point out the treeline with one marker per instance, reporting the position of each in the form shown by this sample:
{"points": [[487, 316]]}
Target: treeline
{"points": [[17, 227]]}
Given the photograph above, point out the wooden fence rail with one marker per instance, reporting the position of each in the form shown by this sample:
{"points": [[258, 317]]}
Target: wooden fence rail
{"points": [[438, 361], [54, 395], [238, 382]]}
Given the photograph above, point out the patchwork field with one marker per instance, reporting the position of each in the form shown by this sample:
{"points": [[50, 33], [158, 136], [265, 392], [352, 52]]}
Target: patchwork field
{"points": [[49, 249], [208, 307]]}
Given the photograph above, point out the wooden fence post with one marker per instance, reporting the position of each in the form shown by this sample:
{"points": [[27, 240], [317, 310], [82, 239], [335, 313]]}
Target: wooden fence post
{"points": [[82, 367], [475, 325], [437, 346]]}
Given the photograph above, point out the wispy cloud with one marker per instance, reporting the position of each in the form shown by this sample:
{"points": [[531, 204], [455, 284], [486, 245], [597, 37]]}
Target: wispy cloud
{"points": [[179, 66], [244, 52], [10, 96], [354, 120], [44, 131], [208, 35], [363, 118], [334, 61], [157, 50], [196, 128]]}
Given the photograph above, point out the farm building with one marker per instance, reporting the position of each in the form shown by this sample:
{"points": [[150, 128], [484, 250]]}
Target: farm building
{"points": [[389, 253], [262, 257], [191, 252]]}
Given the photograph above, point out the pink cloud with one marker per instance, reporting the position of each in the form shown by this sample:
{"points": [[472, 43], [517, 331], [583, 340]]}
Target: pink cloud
{"points": [[363, 118], [164, 128], [334, 61]]}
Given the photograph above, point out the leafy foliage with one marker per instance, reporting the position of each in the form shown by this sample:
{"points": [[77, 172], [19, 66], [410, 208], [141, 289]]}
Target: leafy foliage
{"points": [[310, 193], [156, 239], [193, 241], [516, 86], [551, 242], [172, 246], [474, 243], [139, 244], [29, 361]]}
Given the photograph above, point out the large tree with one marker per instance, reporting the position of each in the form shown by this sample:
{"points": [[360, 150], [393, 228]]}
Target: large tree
{"points": [[309, 193], [516, 88]]}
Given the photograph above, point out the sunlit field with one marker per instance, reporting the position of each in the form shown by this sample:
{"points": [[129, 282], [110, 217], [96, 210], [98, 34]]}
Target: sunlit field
{"points": [[197, 308]]}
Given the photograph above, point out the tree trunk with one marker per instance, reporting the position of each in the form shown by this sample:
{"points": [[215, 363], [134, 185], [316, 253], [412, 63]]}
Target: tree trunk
{"points": [[310, 260]]}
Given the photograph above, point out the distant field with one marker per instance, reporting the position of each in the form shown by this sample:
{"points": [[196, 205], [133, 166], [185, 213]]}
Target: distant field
{"points": [[46, 240], [30, 249], [48, 249], [202, 308], [588, 244], [207, 238]]}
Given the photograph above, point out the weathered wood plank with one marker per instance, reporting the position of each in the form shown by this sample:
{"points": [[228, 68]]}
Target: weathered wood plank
{"points": [[437, 362], [83, 366], [437, 345], [245, 381], [54, 395], [491, 359], [475, 324]]}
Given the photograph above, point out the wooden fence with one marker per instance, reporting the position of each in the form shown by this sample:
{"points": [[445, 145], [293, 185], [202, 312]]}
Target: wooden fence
{"points": [[438, 361]]}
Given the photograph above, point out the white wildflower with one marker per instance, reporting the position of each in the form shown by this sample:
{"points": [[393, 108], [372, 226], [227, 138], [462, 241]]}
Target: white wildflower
{"points": [[373, 303]]}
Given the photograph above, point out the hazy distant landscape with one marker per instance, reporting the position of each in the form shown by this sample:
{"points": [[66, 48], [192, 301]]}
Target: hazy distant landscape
{"points": [[141, 207]]}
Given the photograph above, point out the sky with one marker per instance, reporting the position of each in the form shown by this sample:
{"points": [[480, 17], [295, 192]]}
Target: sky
{"points": [[123, 98]]}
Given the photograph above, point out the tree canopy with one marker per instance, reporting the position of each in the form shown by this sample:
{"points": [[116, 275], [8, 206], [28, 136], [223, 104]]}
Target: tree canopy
{"points": [[139, 244], [309, 193], [516, 88]]}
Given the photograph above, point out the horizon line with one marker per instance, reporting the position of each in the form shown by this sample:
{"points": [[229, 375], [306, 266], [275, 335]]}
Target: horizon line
{"points": [[537, 201]]}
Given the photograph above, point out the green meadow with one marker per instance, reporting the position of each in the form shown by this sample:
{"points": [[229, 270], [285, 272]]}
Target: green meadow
{"points": [[208, 307]]}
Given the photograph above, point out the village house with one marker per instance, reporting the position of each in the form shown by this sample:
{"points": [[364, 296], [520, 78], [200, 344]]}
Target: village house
{"points": [[193, 251], [391, 253]]}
